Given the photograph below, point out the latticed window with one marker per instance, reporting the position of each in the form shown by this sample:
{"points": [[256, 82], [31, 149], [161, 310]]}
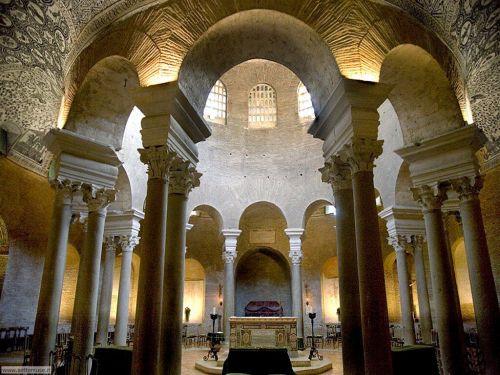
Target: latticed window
{"points": [[262, 107], [306, 110], [216, 107]]}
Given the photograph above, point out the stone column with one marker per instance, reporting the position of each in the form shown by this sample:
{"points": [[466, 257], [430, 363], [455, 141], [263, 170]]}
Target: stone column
{"points": [[338, 174], [373, 300], [183, 178], [449, 325], [229, 256], [295, 255], [149, 296], [480, 273], [400, 243], [423, 295], [84, 310], [49, 300], [121, 326], [106, 291]]}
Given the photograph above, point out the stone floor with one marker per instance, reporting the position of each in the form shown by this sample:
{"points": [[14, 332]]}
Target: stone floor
{"points": [[190, 356]]}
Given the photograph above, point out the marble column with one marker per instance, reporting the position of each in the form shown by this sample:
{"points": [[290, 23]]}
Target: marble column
{"points": [[87, 285], [338, 174], [480, 273], [49, 300], [183, 178], [295, 255], [229, 256], [121, 326], [400, 244], [149, 294], [424, 306], [373, 300], [106, 291], [449, 325]]}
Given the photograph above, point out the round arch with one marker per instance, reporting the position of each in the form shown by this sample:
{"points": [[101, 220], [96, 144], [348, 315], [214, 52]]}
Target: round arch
{"points": [[212, 212], [263, 274], [262, 205], [265, 34], [102, 104], [330, 298], [313, 207], [69, 285], [462, 278], [194, 291], [422, 96]]}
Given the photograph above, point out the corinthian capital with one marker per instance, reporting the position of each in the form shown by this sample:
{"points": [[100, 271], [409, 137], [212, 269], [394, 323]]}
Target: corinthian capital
{"points": [[128, 243], [183, 177], [64, 189], [110, 244], [429, 198], [97, 198], [230, 242], [399, 242], [467, 188], [159, 159], [361, 153], [294, 235], [336, 173]]}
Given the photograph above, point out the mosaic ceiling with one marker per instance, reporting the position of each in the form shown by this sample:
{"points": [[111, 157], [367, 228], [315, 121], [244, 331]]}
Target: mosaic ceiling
{"points": [[42, 65]]}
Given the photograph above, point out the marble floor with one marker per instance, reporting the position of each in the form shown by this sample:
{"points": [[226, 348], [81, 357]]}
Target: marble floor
{"points": [[190, 356]]}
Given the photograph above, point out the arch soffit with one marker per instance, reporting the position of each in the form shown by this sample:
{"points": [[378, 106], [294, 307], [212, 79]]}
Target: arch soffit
{"points": [[312, 207], [422, 95], [102, 104], [272, 252], [213, 212], [373, 29]]}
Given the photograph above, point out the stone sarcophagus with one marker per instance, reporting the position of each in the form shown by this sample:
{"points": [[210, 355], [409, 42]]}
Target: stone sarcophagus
{"points": [[263, 332]]}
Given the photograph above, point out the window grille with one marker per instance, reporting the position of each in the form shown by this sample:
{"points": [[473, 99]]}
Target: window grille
{"points": [[216, 107], [262, 112]]}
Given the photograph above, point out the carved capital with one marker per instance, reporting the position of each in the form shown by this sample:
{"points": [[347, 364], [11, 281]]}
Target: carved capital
{"points": [[337, 173], [128, 243], [417, 242], [183, 177], [97, 198], [294, 235], [466, 188], [230, 242], [159, 159], [429, 198], [399, 242], [361, 153], [64, 190], [110, 244]]}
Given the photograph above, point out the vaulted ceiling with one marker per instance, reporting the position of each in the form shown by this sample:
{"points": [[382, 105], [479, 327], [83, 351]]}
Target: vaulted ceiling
{"points": [[48, 46]]}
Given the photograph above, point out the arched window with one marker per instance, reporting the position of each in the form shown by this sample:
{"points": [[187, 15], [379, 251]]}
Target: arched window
{"points": [[306, 110], [262, 107], [216, 107]]}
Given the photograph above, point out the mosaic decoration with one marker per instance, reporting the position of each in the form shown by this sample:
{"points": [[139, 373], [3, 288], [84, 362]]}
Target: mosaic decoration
{"points": [[29, 151]]}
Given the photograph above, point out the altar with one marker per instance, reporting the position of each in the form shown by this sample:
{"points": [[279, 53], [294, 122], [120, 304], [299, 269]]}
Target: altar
{"points": [[264, 332]]}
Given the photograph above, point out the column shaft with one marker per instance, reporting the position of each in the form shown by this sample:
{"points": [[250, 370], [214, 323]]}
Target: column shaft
{"points": [[350, 313], [49, 300], [482, 282], [423, 295], [373, 300], [121, 326], [106, 293], [449, 325], [297, 309], [84, 311], [405, 297], [148, 313], [229, 286], [173, 281]]}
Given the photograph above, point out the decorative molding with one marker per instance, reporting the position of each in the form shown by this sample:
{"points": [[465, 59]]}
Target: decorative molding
{"points": [[230, 242], [399, 242], [467, 188], [110, 244], [429, 197], [97, 198], [128, 243], [294, 235]]}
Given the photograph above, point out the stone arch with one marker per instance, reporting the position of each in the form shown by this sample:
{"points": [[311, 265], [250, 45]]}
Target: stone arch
{"points": [[330, 300], [392, 287], [463, 281], [402, 193], [422, 95], [264, 34], [262, 204], [69, 285], [102, 105], [123, 201], [263, 274], [212, 212], [314, 206]]}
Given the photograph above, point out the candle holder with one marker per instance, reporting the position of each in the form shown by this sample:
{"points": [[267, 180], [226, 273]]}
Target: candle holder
{"points": [[314, 351], [215, 340]]}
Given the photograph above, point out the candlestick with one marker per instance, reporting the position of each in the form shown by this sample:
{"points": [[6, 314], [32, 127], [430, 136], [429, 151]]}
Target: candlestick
{"points": [[214, 311]]}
